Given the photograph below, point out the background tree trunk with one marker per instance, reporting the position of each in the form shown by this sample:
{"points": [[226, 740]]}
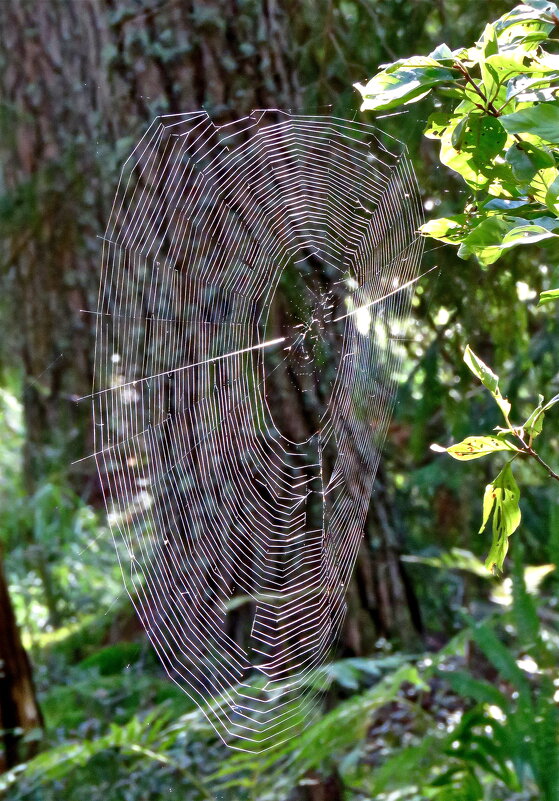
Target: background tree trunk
{"points": [[19, 711], [88, 78]]}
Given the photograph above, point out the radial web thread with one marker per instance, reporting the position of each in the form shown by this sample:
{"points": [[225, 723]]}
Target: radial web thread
{"points": [[255, 277]]}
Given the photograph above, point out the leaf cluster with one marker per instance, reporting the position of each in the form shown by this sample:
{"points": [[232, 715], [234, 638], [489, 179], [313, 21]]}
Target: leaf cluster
{"points": [[498, 127], [502, 495]]}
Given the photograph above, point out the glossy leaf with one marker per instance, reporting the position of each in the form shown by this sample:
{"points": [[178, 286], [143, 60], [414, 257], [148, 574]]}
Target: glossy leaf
{"points": [[405, 81], [530, 232], [494, 234], [532, 89]]}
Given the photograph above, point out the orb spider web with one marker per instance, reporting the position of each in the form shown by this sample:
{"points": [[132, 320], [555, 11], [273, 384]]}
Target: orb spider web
{"points": [[255, 276]]}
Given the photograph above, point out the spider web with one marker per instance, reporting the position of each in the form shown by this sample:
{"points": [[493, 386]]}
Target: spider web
{"points": [[255, 277]]}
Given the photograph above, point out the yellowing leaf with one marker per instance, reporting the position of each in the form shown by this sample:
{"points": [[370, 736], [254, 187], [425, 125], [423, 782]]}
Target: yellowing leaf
{"points": [[475, 447]]}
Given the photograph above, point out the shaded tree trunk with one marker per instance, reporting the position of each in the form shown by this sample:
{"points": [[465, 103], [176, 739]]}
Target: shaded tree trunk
{"points": [[88, 77], [19, 711]]}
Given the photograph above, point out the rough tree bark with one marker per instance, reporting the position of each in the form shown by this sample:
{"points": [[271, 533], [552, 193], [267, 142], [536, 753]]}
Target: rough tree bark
{"points": [[88, 77]]}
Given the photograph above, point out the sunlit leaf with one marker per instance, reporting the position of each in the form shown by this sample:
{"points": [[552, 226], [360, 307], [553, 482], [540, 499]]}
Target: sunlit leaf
{"points": [[548, 295], [459, 133], [532, 89], [501, 500], [531, 232], [481, 370], [527, 24], [481, 140], [437, 124], [551, 402], [486, 239], [405, 81], [447, 229], [442, 53], [475, 447], [534, 424], [552, 195]]}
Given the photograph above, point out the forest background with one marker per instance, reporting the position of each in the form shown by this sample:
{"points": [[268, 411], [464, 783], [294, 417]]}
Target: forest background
{"points": [[445, 682]]}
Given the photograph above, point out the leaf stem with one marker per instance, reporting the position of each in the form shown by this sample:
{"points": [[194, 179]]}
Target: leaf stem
{"points": [[528, 450], [487, 104], [531, 452]]}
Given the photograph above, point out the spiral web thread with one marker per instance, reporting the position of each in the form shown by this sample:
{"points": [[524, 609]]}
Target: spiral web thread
{"points": [[237, 433]]}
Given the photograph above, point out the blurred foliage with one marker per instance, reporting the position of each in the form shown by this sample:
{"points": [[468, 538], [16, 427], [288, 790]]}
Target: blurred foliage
{"points": [[477, 720]]}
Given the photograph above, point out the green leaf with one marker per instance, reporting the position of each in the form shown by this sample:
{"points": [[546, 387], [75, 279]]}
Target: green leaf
{"points": [[459, 133], [485, 240], [527, 24], [523, 605], [532, 89], [541, 120], [488, 41], [481, 370], [534, 424], [551, 403], [503, 204], [442, 53], [542, 186], [526, 159], [475, 447], [437, 123], [548, 296], [500, 656], [501, 500], [495, 233], [545, 10], [530, 232], [552, 196], [481, 140], [499, 68], [481, 691], [405, 81], [447, 229], [454, 559]]}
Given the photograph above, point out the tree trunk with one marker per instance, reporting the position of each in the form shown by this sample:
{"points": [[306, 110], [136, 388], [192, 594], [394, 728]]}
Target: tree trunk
{"points": [[19, 711], [88, 78]]}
